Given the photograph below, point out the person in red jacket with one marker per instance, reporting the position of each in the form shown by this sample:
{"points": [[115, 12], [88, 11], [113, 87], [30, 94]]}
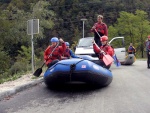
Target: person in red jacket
{"points": [[53, 52], [99, 29], [104, 49], [68, 53]]}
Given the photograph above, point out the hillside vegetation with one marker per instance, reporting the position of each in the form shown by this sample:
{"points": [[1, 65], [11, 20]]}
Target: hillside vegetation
{"points": [[62, 18]]}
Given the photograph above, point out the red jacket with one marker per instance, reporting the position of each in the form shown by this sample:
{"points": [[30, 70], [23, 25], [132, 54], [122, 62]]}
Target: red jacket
{"points": [[56, 53], [101, 28], [106, 48], [66, 53]]}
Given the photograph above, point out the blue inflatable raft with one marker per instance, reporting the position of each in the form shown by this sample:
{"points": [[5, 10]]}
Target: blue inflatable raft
{"points": [[77, 70]]}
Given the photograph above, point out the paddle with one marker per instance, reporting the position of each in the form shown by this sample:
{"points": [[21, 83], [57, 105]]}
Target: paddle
{"points": [[116, 61], [106, 58], [38, 72]]}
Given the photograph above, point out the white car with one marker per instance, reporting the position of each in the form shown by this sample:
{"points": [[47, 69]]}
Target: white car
{"points": [[85, 47]]}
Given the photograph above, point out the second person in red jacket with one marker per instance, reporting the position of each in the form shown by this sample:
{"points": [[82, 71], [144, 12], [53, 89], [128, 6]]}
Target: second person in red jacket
{"points": [[53, 52], [68, 53], [104, 49]]}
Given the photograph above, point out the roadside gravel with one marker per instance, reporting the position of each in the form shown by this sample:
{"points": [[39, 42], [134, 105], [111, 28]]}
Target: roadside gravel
{"points": [[12, 87]]}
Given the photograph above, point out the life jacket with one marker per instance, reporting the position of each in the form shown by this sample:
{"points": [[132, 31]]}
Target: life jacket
{"points": [[147, 45], [107, 49], [100, 27], [55, 54], [67, 53], [131, 49], [50, 57]]}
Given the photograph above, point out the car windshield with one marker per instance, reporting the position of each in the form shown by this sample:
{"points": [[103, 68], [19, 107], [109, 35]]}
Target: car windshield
{"points": [[85, 42]]}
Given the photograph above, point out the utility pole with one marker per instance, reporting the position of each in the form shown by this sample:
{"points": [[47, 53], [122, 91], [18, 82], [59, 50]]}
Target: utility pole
{"points": [[83, 19], [32, 28]]}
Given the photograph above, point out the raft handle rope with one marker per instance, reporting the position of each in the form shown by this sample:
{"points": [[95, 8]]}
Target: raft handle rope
{"points": [[72, 67], [64, 64]]}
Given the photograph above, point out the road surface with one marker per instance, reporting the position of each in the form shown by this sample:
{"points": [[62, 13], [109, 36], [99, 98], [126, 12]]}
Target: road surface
{"points": [[129, 92]]}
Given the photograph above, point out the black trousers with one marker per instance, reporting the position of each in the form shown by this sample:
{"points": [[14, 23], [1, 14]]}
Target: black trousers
{"points": [[131, 53], [52, 63], [101, 63], [148, 60], [97, 38]]}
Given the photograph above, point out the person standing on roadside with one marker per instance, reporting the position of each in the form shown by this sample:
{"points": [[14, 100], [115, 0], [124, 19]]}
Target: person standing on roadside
{"points": [[53, 52], [99, 29], [148, 51]]}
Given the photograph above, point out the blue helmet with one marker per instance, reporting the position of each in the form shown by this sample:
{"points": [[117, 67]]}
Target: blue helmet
{"points": [[54, 39], [67, 43]]}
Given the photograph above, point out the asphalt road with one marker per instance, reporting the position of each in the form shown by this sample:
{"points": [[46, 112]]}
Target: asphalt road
{"points": [[129, 92]]}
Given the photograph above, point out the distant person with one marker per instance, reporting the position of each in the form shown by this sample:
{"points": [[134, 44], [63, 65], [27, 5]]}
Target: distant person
{"points": [[99, 29], [68, 52], [53, 52], [148, 51], [105, 48], [131, 49]]}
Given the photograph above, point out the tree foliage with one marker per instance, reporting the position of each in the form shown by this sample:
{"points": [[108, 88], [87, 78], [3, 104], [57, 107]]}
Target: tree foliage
{"points": [[134, 27], [4, 62], [62, 18], [13, 21]]}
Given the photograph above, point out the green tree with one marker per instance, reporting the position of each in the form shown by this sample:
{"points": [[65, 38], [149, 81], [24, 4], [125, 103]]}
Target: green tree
{"points": [[4, 62], [134, 27], [13, 21]]}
